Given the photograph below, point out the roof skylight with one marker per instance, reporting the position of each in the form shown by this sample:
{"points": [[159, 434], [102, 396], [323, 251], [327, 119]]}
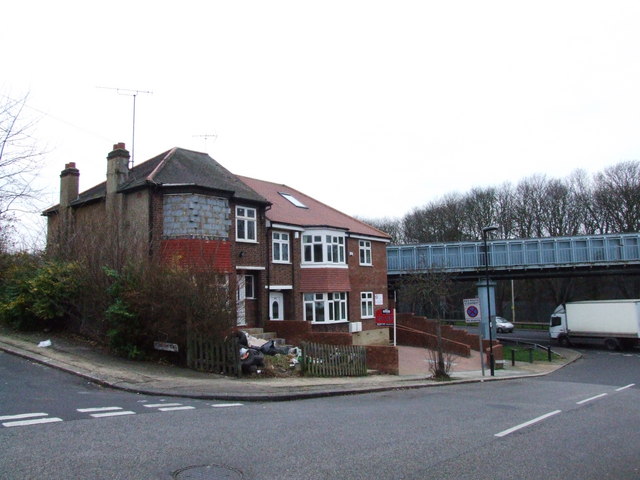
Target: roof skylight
{"points": [[293, 200]]}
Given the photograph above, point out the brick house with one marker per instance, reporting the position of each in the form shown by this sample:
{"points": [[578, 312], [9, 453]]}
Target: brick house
{"points": [[287, 256]]}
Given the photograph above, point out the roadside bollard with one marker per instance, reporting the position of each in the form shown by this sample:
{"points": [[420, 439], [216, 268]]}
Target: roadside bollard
{"points": [[531, 355], [549, 352], [513, 358]]}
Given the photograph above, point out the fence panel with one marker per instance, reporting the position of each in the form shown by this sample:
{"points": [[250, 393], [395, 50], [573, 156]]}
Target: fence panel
{"points": [[320, 360], [214, 355]]}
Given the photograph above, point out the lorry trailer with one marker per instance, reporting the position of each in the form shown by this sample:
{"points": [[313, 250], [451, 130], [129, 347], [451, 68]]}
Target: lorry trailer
{"points": [[615, 323]]}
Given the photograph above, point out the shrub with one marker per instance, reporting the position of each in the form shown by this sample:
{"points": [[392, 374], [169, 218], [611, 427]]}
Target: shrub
{"points": [[38, 294]]}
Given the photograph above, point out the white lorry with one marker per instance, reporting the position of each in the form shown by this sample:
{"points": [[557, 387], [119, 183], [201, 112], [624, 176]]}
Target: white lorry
{"points": [[614, 322]]}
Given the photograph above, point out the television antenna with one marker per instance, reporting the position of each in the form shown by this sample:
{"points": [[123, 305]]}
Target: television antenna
{"points": [[130, 93], [206, 137]]}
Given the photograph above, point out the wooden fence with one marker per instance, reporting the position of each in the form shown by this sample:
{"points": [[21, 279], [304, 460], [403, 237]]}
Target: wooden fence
{"points": [[214, 355], [333, 360]]}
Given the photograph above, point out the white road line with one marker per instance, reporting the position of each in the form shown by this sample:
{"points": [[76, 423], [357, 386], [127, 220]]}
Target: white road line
{"points": [[98, 409], [526, 424], [23, 415], [158, 405], [591, 398], [113, 414], [225, 405], [35, 421], [170, 409], [625, 387]]}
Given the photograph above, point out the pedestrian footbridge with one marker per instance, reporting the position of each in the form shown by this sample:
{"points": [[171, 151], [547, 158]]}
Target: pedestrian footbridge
{"points": [[554, 256]]}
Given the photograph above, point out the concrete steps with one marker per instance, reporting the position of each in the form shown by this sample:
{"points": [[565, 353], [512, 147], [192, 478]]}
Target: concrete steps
{"points": [[261, 334]]}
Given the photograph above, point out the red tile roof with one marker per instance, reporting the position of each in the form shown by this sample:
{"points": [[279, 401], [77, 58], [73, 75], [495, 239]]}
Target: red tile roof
{"points": [[316, 214]]}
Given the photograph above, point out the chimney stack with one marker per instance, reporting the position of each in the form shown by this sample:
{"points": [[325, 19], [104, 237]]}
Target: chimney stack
{"points": [[117, 168], [69, 184]]}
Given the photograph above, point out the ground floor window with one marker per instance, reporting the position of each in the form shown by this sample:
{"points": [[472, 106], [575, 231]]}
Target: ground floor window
{"points": [[325, 307], [366, 304]]}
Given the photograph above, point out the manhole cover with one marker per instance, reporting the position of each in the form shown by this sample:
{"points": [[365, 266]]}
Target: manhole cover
{"points": [[208, 472]]}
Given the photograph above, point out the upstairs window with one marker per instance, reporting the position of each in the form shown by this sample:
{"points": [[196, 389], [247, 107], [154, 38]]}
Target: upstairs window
{"points": [[365, 252], [323, 247], [280, 247], [246, 226]]}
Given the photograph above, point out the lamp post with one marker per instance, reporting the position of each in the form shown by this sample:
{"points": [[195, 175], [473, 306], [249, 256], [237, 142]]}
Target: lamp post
{"points": [[485, 231]]}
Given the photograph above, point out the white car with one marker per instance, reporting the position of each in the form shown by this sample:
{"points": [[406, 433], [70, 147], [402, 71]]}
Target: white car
{"points": [[503, 325]]}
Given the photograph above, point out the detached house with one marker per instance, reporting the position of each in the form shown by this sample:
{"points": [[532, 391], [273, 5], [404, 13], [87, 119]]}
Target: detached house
{"points": [[287, 256]]}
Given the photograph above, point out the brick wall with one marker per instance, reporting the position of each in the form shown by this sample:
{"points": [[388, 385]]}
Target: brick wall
{"points": [[384, 359], [366, 278], [457, 341], [193, 252]]}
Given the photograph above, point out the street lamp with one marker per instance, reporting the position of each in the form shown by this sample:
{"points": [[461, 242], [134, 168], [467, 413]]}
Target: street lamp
{"points": [[485, 231]]}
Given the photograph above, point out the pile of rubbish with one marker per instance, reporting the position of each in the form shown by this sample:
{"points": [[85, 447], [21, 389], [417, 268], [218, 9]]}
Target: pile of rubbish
{"points": [[253, 351]]}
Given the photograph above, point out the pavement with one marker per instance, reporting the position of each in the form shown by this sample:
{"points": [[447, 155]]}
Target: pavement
{"points": [[93, 364]]}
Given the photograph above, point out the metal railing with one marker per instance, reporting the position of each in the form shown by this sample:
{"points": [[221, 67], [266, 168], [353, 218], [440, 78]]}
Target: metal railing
{"points": [[516, 254]]}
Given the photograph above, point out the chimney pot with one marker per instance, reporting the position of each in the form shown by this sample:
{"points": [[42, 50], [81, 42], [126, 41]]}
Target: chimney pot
{"points": [[119, 146]]}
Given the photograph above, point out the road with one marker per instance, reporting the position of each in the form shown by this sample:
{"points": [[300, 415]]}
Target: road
{"points": [[580, 422]]}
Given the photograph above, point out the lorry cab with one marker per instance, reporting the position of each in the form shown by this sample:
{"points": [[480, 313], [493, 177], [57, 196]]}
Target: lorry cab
{"points": [[558, 325]]}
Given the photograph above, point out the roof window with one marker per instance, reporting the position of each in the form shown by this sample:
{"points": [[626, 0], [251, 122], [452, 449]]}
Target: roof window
{"points": [[293, 200]]}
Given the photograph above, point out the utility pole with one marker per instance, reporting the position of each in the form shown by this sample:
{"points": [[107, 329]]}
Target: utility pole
{"points": [[131, 93]]}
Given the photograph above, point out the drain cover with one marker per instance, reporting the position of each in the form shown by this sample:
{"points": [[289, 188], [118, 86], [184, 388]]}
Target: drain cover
{"points": [[208, 472]]}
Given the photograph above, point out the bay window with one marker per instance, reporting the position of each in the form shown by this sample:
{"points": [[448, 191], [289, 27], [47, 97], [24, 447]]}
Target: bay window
{"points": [[323, 247], [325, 307]]}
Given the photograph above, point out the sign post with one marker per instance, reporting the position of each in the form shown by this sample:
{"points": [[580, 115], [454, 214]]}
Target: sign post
{"points": [[472, 314], [387, 318]]}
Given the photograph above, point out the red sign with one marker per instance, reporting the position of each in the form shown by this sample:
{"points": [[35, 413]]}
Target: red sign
{"points": [[384, 317]]}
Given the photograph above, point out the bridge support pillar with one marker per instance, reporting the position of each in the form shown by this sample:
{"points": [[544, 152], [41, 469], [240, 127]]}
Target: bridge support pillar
{"points": [[482, 295]]}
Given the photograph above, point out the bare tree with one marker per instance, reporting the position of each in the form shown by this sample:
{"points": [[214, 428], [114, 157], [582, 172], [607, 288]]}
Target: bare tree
{"points": [[617, 195], [20, 160], [429, 293], [390, 226]]}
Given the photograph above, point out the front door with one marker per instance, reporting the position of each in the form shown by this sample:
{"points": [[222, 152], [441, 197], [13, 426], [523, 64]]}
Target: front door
{"points": [[276, 306]]}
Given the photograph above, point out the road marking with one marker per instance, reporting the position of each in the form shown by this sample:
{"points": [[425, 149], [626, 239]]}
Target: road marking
{"points": [[23, 415], [170, 409], [526, 424], [113, 414], [158, 405], [98, 409], [591, 398], [35, 421], [625, 387], [224, 405]]}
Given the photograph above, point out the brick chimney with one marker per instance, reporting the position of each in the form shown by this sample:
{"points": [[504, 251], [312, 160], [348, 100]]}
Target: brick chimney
{"points": [[117, 168], [69, 184]]}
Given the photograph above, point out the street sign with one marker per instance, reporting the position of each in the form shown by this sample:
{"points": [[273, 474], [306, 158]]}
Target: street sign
{"points": [[472, 310], [167, 347]]}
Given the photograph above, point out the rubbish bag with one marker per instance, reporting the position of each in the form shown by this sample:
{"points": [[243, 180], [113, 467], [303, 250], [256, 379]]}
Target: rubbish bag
{"points": [[251, 360], [269, 348]]}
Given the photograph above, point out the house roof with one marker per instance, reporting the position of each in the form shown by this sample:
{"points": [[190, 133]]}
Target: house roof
{"points": [[312, 213], [176, 167]]}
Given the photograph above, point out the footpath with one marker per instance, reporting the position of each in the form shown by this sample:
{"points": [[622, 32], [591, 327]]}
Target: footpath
{"points": [[92, 364]]}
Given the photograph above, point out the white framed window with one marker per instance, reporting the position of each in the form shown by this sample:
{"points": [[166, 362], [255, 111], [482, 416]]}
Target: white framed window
{"points": [[280, 247], [323, 247], [246, 224], [366, 304], [325, 307], [249, 287], [365, 252]]}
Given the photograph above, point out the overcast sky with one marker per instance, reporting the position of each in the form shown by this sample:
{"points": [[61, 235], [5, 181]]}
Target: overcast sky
{"points": [[374, 107]]}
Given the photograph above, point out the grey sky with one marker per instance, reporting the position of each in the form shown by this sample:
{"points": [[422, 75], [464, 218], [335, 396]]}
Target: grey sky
{"points": [[374, 107]]}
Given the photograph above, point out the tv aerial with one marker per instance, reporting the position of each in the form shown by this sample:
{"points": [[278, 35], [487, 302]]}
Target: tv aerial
{"points": [[130, 92]]}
